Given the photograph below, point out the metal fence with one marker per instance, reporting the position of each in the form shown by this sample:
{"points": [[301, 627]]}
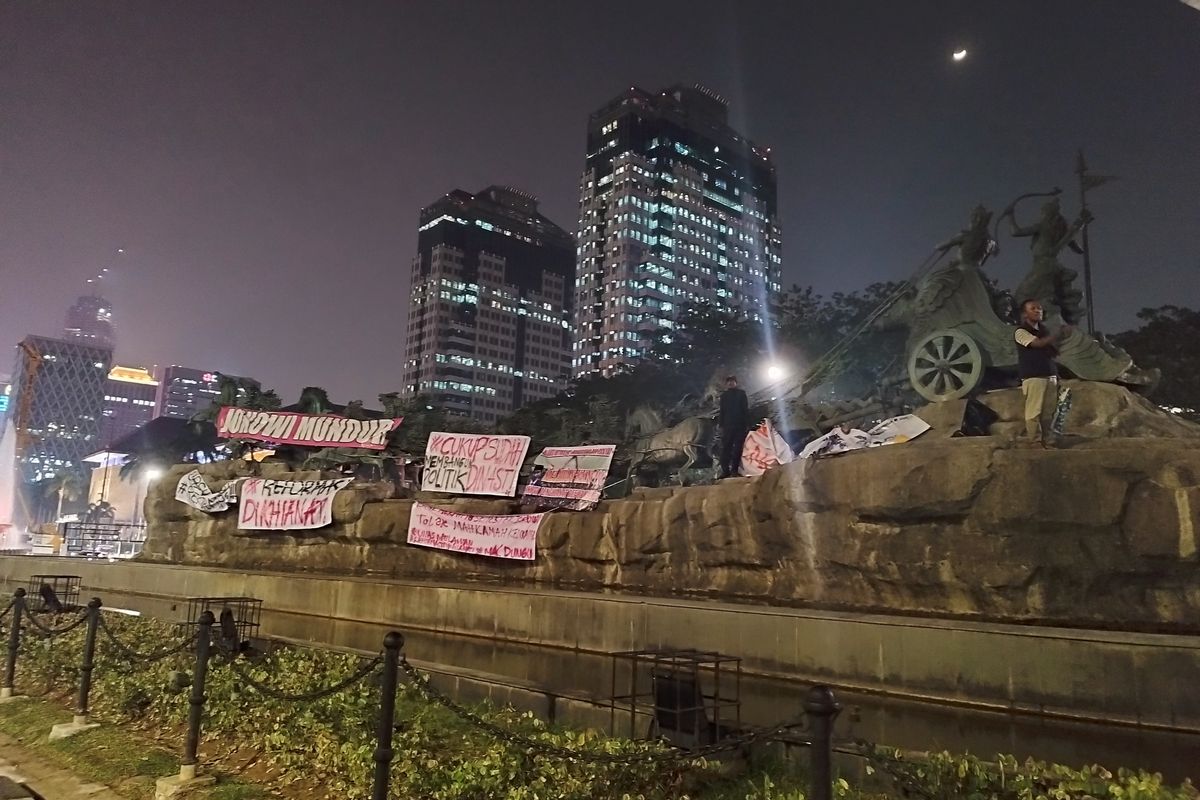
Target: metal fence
{"points": [[812, 729], [102, 539]]}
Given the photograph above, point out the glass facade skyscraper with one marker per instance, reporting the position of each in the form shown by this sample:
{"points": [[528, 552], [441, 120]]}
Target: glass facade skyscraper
{"points": [[675, 207], [489, 324], [57, 403]]}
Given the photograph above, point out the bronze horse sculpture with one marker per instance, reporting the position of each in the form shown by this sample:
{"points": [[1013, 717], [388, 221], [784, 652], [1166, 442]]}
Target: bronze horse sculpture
{"points": [[680, 446]]}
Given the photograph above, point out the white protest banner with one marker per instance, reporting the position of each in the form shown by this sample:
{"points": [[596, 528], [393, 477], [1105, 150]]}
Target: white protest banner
{"points": [[764, 449], [500, 536], [306, 430], [572, 477], [471, 463], [269, 505], [836, 442], [897, 430], [192, 490]]}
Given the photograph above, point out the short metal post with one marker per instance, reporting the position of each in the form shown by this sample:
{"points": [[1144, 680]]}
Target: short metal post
{"points": [[187, 767], [14, 644], [89, 662], [822, 708], [387, 715]]}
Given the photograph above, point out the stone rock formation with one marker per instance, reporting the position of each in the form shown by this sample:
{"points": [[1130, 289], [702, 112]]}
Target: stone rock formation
{"points": [[1101, 533]]}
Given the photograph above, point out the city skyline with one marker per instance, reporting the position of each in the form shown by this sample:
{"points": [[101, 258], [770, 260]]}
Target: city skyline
{"points": [[263, 172]]}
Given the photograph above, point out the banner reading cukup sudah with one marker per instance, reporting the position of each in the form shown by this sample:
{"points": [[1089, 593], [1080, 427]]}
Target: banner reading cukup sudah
{"points": [[500, 536], [572, 477], [472, 463], [268, 505], [306, 430]]}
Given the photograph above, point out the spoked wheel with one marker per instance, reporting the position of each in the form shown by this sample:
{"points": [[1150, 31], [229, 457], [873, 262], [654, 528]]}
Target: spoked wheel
{"points": [[945, 365]]}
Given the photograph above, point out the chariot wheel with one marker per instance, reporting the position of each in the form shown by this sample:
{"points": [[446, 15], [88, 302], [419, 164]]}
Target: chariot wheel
{"points": [[945, 365]]}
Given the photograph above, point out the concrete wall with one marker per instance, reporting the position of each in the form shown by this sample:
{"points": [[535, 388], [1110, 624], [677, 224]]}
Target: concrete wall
{"points": [[1132, 678]]}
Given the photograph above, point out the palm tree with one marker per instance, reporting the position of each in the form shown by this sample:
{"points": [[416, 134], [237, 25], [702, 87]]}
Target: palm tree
{"points": [[67, 486]]}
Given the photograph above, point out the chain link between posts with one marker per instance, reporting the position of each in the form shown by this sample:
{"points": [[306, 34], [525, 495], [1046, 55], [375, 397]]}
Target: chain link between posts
{"points": [[432, 694], [361, 674], [51, 631], [154, 655]]}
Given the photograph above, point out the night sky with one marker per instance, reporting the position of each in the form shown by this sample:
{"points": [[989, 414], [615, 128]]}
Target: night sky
{"points": [[262, 164]]}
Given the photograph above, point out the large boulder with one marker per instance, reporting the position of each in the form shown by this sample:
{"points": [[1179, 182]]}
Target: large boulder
{"points": [[1101, 532]]}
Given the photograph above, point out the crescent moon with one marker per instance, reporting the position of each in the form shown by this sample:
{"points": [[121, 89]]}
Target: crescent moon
{"points": [[959, 55]]}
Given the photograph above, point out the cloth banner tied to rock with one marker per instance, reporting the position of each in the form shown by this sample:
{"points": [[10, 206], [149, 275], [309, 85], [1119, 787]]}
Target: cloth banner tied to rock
{"points": [[498, 535], [764, 448], [571, 477], [288, 505], [473, 463], [192, 490], [891, 431]]}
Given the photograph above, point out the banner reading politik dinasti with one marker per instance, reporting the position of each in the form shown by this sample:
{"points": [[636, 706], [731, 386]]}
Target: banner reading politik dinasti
{"points": [[573, 477], [500, 536], [268, 505], [473, 463], [307, 430]]}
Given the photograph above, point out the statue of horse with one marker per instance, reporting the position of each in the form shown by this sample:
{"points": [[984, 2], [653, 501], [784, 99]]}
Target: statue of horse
{"points": [[680, 446]]}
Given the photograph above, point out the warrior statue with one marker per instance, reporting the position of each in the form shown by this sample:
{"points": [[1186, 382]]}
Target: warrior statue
{"points": [[1048, 280], [1093, 359], [956, 294]]}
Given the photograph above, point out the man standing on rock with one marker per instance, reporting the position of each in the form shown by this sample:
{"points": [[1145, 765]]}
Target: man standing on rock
{"points": [[734, 422], [1036, 349]]}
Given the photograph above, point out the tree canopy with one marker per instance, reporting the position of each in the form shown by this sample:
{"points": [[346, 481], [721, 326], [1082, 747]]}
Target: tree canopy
{"points": [[1167, 340]]}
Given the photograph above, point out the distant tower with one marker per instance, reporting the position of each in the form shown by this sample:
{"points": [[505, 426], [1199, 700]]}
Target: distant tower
{"points": [[90, 319], [489, 327], [675, 207]]}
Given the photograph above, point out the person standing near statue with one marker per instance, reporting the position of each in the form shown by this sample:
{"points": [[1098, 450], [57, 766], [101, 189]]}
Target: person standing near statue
{"points": [[1036, 349], [734, 421]]}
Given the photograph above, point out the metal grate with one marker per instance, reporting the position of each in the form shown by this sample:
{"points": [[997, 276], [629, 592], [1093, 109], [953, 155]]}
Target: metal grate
{"points": [[691, 698], [238, 618], [65, 589]]}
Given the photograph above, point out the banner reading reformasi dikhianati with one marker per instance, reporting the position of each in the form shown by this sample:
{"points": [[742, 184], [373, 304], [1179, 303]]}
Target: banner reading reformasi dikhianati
{"points": [[572, 477], [287, 505]]}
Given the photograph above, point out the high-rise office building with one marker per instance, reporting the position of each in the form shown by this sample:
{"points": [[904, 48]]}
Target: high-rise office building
{"points": [[490, 306], [676, 207], [91, 319], [57, 403], [183, 391], [129, 402]]}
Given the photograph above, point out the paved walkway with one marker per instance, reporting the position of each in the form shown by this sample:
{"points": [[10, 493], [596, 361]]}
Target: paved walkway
{"points": [[51, 782]]}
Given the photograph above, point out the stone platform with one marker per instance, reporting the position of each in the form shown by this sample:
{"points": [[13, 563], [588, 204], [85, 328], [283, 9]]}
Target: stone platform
{"points": [[1101, 534]]}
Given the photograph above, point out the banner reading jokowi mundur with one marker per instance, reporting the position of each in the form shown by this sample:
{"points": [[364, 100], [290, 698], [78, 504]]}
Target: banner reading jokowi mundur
{"points": [[306, 430]]}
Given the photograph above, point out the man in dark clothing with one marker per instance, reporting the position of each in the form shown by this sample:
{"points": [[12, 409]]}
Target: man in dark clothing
{"points": [[734, 422], [1036, 349]]}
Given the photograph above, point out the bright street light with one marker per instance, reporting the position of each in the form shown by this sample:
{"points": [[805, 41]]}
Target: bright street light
{"points": [[776, 372], [154, 473]]}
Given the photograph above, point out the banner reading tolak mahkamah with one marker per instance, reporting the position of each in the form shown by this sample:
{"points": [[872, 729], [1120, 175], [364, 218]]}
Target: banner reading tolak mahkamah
{"points": [[572, 477], [306, 430], [287, 505], [499, 536], [473, 463]]}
